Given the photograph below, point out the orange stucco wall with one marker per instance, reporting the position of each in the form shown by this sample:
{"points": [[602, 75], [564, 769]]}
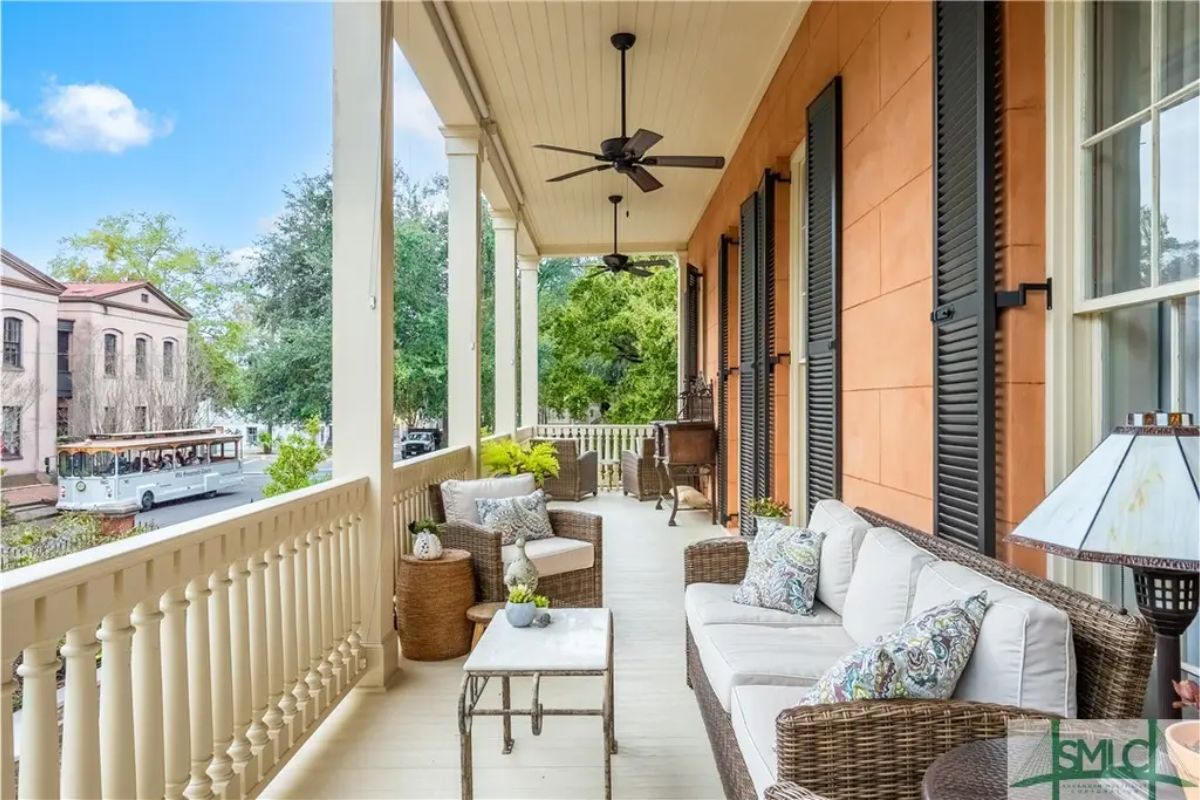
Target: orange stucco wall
{"points": [[883, 53]]}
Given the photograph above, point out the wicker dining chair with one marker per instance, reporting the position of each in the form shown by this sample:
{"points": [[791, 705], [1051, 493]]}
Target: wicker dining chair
{"points": [[582, 588], [578, 473], [639, 475]]}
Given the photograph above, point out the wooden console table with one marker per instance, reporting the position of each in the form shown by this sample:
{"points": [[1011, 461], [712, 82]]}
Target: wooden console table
{"points": [[684, 450]]}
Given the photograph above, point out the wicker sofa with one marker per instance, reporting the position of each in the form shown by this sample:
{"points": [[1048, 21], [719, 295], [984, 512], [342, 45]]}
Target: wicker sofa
{"points": [[639, 476], [573, 588], [578, 473], [881, 749]]}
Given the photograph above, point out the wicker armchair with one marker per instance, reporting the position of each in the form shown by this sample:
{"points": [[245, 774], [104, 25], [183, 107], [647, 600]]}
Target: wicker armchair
{"points": [[879, 750], [578, 473], [639, 476], [579, 589]]}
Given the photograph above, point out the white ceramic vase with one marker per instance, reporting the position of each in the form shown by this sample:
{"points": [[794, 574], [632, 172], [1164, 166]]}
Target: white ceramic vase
{"points": [[521, 570], [427, 546]]}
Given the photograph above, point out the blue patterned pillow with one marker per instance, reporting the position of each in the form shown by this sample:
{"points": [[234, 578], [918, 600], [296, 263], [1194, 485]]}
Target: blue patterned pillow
{"points": [[513, 517], [782, 573], [922, 660]]}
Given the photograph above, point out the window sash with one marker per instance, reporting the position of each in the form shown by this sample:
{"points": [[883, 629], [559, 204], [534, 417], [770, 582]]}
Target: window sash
{"points": [[13, 340]]}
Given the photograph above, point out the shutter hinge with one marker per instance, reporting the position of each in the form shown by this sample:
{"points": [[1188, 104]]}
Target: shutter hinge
{"points": [[779, 357], [1017, 297]]}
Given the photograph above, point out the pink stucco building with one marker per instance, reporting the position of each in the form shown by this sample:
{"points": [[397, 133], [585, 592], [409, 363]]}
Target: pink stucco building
{"points": [[81, 358]]}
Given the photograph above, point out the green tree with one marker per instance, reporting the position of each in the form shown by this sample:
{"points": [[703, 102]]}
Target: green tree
{"points": [[612, 344], [152, 247], [299, 455]]}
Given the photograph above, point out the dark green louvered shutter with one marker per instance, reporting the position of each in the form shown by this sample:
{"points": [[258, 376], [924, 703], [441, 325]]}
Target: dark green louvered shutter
{"points": [[691, 323], [723, 373], [756, 240], [966, 72], [823, 164]]}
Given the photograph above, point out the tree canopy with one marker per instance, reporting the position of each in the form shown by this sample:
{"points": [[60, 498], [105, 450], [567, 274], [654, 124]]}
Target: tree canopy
{"points": [[611, 344]]}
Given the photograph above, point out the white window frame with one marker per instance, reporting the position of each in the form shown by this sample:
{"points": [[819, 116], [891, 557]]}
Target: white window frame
{"points": [[797, 334], [1074, 335]]}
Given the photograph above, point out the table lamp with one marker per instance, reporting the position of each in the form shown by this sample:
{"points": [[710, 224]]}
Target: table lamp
{"points": [[1134, 502]]}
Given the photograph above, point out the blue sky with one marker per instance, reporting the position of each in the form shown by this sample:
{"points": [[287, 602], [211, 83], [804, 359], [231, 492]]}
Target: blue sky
{"points": [[205, 111]]}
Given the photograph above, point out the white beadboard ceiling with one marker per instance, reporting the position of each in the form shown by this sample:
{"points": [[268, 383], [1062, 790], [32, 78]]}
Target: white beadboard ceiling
{"points": [[549, 74]]}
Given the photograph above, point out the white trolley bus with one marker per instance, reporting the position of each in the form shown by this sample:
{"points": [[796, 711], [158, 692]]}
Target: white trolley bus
{"points": [[143, 468]]}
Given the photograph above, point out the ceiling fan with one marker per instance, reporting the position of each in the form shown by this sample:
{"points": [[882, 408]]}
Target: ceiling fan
{"points": [[627, 154], [616, 262]]}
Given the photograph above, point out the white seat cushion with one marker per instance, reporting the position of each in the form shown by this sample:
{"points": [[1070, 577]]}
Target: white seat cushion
{"points": [[882, 587], [844, 531], [458, 497], [752, 711], [744, 655], [712, 604], [1024, 655], [554, 556]]}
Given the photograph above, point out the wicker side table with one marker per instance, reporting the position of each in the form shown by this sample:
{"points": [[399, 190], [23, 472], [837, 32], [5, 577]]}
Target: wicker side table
{"points": [[432, 598]]}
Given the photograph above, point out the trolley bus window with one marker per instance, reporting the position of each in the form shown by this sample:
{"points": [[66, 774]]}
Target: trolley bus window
{"points": [[223, 451], [104, 463], [129, 461], [202, 453]]}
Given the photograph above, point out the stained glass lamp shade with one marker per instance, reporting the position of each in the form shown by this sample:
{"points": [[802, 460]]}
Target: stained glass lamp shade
{"points": [[1134, 502]]}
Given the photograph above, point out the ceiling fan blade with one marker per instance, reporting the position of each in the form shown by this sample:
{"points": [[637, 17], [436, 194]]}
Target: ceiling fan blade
{"points": [[651, 262], [572, 150], [584, 171], [593, 274], [699, 162], [644, 180], [641, 141], [634, 269]]}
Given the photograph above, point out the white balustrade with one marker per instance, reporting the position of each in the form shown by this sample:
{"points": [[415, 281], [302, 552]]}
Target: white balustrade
{"points": [[411, 480], [204, 636], [609, 441]]}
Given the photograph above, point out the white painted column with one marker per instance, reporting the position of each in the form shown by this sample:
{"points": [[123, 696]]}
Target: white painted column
{"points": [[363, 331], [529, 339], [505, 227], [463, 155]]}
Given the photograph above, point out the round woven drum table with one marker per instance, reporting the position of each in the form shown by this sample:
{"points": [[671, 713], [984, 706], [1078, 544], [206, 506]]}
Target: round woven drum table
{"points": [[975, 771], [432, 598]]}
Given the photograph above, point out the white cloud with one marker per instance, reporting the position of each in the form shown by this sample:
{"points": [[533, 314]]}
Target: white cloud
{"points": [[412, 111], [8, 114], [243, 258], [267, 224], [94, 116]]}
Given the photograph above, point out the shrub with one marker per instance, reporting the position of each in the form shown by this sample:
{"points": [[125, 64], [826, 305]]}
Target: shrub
{"points": [[299, 455], [266, 441]]}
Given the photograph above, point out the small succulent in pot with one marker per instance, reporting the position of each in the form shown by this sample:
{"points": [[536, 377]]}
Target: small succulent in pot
{"points": [[521, 606], [768, 513], [541, 614], [426, 544]]}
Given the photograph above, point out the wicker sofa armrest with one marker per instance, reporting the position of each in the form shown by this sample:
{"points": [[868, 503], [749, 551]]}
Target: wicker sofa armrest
{"points": [[577, 525], [484, 547], [786, 790], [880, 748], [719, 560]]}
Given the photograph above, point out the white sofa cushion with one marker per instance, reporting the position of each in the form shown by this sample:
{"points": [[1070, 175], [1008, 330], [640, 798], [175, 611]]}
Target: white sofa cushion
{"points": [[883, 583], [1024, 655], [712, 604], [742, 655], [844, 530], [458, 497], [554, 556], [752, 710]]}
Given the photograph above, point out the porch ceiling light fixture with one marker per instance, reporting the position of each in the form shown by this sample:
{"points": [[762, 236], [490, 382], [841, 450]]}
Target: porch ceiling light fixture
{"points": [[1134, 502], [627, 154]]}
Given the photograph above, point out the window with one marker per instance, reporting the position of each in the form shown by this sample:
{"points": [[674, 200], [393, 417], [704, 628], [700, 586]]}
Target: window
{"points": [[64, 351], [141, 418], [110, 355], [168, 360], [63, 419], [10, 437], [12, 342], [1140, 145], [145, 297], [139, 357], [110, 418]]}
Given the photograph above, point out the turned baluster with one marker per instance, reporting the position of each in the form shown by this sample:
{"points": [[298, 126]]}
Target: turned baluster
{"points": [[8, 780], [287, 625], [176, 728], [148, 708], [332, 581], [305, 708], [80, 777], [199, 690], [39, 721], [259, 739], [221, 771], [274, 713], [239, 640], [117, 776], [356, 592], [315, 637], [342, 543]]}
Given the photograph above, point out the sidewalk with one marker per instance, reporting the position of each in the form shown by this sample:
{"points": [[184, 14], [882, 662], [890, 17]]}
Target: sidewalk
{"points": [[44, 493]]}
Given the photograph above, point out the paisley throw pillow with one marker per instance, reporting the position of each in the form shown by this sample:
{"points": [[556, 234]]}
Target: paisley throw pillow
{"points": [[922, 660], [782, 573], [513, 517]]}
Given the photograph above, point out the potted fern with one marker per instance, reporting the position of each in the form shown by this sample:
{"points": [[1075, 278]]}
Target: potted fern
{"points": [[506, 457]]}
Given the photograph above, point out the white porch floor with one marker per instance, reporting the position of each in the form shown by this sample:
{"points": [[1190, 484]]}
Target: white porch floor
{"points": [[404, 743]]}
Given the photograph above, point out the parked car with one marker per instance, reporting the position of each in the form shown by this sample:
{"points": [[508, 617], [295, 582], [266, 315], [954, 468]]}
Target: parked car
{"points": [[418, 441]]}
